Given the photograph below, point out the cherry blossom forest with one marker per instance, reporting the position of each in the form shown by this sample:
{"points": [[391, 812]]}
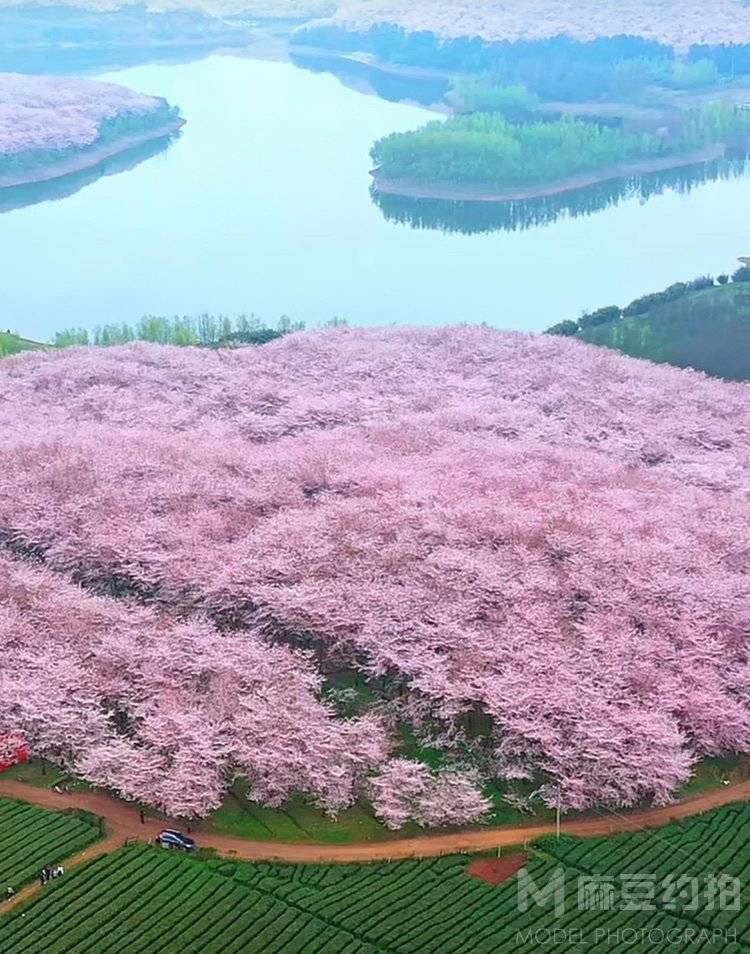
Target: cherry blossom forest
{"points": [[678, 23], [39, 113], [535, 552]]}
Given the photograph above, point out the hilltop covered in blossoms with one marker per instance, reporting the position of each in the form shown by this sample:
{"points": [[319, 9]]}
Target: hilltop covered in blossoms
{"points": [[59, 113], [538, 551], [678, 23]]}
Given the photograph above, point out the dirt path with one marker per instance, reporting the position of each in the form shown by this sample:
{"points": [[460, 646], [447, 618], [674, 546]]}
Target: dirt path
{"points": [[123, 824]]}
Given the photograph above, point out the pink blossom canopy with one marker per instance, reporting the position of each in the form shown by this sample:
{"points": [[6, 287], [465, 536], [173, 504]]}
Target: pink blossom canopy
{"points": [[539, 535], [56, 113]]}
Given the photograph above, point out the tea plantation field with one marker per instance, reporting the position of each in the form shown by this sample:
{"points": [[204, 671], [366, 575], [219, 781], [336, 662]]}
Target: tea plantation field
{"points": [[142, 899], [31, 837]]}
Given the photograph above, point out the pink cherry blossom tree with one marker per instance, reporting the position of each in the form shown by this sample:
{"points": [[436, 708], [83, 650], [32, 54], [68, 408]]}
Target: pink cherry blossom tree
{"points": [[165, 712]]}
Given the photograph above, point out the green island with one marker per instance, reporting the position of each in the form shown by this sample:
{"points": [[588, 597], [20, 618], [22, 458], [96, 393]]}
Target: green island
{"points": [[488, 156], [703, 324]]}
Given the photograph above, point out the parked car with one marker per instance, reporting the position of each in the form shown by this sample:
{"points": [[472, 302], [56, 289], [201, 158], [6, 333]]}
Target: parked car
{"points": [[169, 838]]}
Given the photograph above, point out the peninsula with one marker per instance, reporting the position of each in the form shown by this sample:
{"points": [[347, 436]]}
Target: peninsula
{"points": [[53, 126]]}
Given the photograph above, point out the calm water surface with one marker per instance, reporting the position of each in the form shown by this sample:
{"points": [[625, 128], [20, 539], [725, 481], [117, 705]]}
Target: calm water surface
{"points": [[263, 206]]}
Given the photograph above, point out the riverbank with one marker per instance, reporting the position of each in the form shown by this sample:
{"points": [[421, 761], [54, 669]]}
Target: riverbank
{"points": [[89, 158], [476, 192]]}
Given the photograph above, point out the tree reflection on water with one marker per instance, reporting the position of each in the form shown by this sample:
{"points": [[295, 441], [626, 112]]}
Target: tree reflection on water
{"points": [[472, 217], [18, 197]]}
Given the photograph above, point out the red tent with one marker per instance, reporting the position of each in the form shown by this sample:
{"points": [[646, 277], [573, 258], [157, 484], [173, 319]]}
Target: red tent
{"points": [[13, 749]]}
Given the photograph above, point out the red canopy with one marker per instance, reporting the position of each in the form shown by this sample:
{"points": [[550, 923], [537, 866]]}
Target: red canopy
{"points": [[13, 749]]}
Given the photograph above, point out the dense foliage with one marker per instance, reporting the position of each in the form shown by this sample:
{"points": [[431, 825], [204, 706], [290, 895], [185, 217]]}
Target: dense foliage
{"points": [[135, 898], [535, 549], [486, 148]]}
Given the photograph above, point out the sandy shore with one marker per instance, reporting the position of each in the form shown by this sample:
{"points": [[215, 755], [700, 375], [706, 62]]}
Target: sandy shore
{"points": [[89, 158], [488, 193]]}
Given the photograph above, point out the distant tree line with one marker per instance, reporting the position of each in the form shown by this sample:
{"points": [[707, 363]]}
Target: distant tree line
{"points": [[641, 306], [472, 54], [573, 81], [208, 331], [554, 68]]}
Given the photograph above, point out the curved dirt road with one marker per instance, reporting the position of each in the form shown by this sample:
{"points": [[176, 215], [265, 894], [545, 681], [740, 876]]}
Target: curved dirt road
{"points": [[123, 824]]}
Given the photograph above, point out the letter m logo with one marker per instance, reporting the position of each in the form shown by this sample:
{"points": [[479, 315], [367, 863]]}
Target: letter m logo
{"points": [[553, 890]]}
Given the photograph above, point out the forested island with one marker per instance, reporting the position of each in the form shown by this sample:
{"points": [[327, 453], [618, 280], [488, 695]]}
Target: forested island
{"points": [[487, 156], [52, 126]]}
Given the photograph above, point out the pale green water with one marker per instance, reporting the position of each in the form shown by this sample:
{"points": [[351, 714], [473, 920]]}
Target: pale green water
{"points": [[263, 206]]}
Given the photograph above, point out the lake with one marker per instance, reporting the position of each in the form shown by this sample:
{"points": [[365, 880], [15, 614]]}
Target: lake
{"points": [[263, 205]]}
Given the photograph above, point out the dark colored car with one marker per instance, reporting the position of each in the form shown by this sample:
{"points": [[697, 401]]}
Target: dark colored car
{"points": [[169, 838]]}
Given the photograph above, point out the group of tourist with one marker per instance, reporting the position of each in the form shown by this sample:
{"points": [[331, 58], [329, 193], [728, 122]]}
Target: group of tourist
{"points": [[45, 875], [48, 872]]}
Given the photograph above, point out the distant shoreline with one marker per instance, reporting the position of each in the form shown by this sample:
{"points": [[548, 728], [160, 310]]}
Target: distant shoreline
{"points": [[477, 192], [88, 159]]}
